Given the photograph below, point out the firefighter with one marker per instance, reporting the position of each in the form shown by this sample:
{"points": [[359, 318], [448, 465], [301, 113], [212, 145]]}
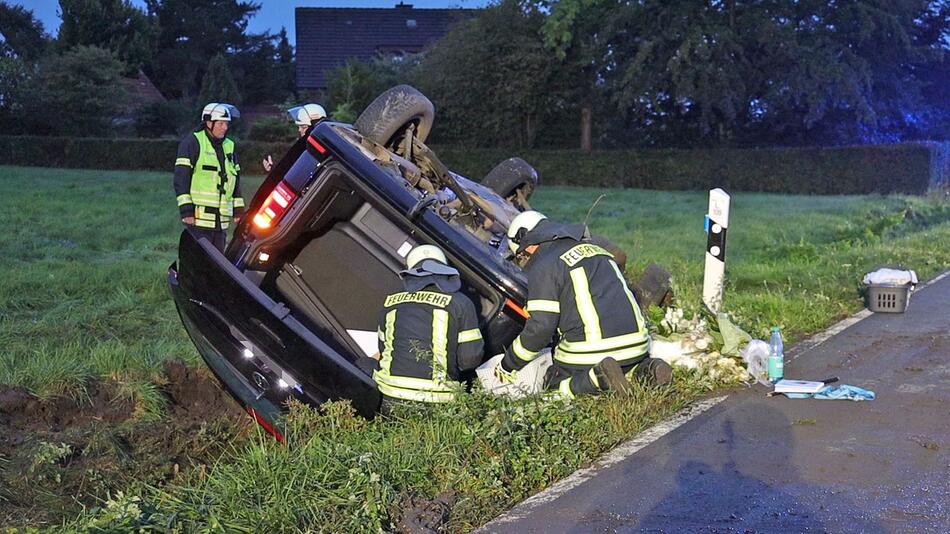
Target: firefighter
{"points": [[304, 117], [207, 176], [428, 334], [576, 290]]}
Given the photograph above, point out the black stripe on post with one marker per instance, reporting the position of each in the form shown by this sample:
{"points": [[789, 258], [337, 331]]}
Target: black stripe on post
{"points": [[716, 241]]}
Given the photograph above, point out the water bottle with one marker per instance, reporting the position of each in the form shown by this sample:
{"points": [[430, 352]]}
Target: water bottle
{"points": [[776, 356]]}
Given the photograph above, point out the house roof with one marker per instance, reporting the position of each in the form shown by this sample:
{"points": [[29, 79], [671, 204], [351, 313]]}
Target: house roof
{"points": [[327, 37], [141, 90]]}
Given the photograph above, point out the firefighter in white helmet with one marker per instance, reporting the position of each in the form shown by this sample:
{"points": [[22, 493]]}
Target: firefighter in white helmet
{"points": [[576, 290], [207, 176], [304, 117], [428, 334]]}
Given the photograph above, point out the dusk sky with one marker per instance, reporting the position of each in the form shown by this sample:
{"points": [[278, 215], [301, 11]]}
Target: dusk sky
{"points": [[273, 13]]}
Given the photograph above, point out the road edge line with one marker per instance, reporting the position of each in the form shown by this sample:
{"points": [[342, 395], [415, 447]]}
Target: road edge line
{"points": [[615, 455]]}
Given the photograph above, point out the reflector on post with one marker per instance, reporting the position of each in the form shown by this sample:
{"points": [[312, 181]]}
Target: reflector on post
{"points": [[717, 221]]}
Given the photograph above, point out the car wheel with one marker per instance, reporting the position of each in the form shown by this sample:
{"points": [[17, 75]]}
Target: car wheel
{"points": [[513, 179], [387, 117]]}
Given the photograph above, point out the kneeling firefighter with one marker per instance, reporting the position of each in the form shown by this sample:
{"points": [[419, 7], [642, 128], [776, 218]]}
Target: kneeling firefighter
{"points": [[576, 290], [428, 334]]}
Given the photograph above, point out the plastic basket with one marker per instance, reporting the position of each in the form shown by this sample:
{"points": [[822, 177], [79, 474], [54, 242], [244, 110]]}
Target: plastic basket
{"points": [[888, 299]]}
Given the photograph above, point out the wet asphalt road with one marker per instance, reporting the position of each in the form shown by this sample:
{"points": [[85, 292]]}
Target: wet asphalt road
{"points": [[758, 464]]}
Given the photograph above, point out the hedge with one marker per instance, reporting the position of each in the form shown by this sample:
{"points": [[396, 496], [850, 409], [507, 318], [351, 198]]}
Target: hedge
{"points": [[108, 153], [911, 168]]}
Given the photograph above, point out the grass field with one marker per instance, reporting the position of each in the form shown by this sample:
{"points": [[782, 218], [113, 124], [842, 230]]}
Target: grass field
{"points": [[83, 297]]}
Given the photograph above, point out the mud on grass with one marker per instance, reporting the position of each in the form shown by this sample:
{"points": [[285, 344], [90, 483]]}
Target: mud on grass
{"points": [[63, 454]]}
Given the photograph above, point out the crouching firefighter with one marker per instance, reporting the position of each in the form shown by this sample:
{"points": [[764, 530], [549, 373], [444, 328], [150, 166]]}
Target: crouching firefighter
{"points": [[576, 290], [428, 334], [207, 176]]}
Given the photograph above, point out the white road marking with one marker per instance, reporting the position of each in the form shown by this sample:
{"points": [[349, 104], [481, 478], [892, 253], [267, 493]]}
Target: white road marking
{"points": [[621, 452], [630, 447]]}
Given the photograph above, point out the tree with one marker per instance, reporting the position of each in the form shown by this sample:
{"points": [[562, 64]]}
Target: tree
{"points": [[78, 92], [265, 71], [190, 33], [23, 35], [493, 79], [218, 84], [114, 25]]}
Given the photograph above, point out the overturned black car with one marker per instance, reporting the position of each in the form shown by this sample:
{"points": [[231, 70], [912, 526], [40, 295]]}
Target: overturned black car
{"points": [[290, 310]]}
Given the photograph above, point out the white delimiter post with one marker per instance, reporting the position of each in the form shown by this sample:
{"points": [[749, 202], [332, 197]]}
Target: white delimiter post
{"points": [[717, 220]]}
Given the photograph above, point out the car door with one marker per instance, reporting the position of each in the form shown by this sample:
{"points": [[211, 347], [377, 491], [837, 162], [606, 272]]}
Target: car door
{"points": [[259, 350]]}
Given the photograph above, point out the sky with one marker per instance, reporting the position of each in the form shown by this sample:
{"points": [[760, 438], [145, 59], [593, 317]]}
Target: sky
{"points": [[272, 15]]}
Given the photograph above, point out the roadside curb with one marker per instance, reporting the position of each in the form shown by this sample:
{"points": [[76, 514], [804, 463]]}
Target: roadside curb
{"points": [[654, 433]]}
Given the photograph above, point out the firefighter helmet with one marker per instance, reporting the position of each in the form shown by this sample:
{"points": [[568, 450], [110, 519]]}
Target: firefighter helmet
{"points": [[425, 252], [307, 114], [523, 223], [219, 111]]}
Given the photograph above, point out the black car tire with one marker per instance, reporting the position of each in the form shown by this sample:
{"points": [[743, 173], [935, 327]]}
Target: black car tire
{"points": [[393, 111], [509, 176]]}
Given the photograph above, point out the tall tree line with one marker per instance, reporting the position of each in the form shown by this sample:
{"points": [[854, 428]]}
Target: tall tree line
{"points": [[692, 73], [190, 49]]}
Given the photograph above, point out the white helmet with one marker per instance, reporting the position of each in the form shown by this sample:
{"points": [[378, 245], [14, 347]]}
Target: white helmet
{"points": [[425, 252], [219, 111], [307, 114], [523, 223]]}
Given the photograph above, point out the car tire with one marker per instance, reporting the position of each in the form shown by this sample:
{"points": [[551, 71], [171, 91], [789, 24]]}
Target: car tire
{"points": [[509, 176], [393, 111]]}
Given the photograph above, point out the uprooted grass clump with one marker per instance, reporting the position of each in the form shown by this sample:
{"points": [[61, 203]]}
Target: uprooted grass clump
{"points": [[346, 474]]}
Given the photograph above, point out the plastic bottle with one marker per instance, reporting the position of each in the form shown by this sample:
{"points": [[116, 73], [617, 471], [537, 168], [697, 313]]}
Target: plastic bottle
{"points": [[776, 356]]}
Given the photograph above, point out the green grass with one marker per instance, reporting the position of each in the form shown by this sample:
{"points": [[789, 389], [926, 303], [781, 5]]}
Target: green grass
{"points": [[83, 296]]}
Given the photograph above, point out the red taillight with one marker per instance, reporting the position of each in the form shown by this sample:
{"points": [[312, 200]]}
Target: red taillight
{"points": [[275, 206], [316, 145]]}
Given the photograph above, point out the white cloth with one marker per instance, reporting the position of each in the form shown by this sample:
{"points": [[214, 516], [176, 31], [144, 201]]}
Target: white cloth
{"points": [[529, 379], [891, 277]]}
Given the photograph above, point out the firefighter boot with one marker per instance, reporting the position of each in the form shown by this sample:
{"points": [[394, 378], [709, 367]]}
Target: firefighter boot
{"points": [[610, 377], [655, 371]]}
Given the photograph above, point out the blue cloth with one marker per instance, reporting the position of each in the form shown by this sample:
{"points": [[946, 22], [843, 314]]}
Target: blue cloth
{"points": [[836, 392]]}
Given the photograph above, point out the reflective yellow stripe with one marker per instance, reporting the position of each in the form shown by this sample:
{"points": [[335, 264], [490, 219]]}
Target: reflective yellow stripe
{"points": [[440, 345], [184, 199], [238, 202], [564, 388], [585, 304], [379, 334], [592, 358], [414, 395], [521, 352], [470, 335], [183, 161], [641, 324], [201, 223], [386, 360], [551, 306], [593, 378], [416, 384], [405, 387], [603, 345]]}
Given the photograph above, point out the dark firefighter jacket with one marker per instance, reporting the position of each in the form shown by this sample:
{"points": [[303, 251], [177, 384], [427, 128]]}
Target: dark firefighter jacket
{"points": [[426, 338], [207, 180], [577, 292]]}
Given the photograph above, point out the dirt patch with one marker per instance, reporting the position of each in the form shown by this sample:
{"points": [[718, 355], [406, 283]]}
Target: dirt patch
{"points": [[424, 516], [59, 454]]}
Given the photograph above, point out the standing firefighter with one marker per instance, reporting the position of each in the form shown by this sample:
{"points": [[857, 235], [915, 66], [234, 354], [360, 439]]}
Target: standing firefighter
{"points": [[207, 176], [576, 290], [428, 334], [304, 117]]}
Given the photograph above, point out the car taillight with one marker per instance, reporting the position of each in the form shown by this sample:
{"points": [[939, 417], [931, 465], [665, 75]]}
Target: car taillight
{"points": [[275, 206]]}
